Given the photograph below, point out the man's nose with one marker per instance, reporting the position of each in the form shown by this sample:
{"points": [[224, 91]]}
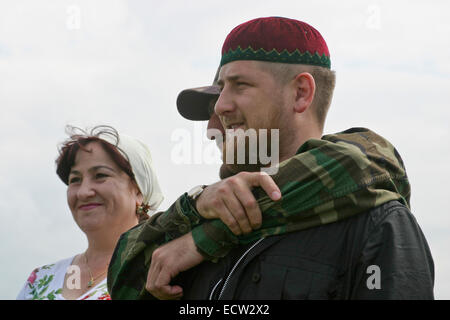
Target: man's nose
{"points": [[224, 103]]}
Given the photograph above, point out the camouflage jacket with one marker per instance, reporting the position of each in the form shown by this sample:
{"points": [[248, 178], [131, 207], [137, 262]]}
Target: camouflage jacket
{"points": [[331, 179]]}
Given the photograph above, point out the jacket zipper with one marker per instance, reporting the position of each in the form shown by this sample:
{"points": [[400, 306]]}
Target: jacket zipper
{"points": [[231, 272]]}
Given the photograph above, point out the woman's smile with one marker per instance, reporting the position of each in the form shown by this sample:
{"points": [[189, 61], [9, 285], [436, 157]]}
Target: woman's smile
{"points": [[89, 206]]}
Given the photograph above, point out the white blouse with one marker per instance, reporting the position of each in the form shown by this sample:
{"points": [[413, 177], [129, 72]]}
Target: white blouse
{"points": [[47, 282]]}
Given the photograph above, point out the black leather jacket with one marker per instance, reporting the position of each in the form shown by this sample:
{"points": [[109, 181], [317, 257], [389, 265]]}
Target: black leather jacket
{"points": [[381, 254]]}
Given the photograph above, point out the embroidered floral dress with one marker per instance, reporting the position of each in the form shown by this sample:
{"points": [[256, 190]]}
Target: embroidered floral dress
{"points": [[47, 282]]}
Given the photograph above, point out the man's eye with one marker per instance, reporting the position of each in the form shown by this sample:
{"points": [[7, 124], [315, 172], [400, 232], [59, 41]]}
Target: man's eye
{"points": [[241, 85]]}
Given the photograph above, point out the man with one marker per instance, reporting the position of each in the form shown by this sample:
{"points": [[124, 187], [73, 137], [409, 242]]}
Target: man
{"points": [[347, 193]]}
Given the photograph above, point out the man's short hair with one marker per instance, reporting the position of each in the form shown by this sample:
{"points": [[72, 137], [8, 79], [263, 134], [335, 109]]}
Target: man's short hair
{"points": [[324, 78]]}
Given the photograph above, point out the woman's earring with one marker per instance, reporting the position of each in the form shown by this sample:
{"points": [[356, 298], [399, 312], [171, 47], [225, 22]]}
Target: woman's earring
{"points": [[142, 209], [142, 212]]}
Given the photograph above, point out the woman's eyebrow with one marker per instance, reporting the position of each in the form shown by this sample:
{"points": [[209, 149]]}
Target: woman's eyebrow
{"points": [[102, 167], [95, 168]]}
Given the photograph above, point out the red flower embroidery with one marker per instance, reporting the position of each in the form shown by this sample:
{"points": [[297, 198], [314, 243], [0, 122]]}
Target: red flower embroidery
{"points": [[32, 277], [105, 297]]}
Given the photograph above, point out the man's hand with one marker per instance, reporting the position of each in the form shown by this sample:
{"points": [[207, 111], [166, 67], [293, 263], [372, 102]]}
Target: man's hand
{"points": [[169, 260], [232, 201]]}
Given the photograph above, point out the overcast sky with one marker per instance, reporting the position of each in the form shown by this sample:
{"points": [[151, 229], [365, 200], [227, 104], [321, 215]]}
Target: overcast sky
{"points": [[123, 63]]}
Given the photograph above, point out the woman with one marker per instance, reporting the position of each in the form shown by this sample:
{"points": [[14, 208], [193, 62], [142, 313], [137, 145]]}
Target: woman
{"points": [[111, 187]]}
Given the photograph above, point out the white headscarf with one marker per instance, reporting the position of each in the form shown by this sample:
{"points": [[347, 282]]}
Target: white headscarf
{"points": [[140, 159]]}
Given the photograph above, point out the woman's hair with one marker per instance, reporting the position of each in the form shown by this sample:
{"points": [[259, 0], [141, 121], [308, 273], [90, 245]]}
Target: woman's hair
{"points": [[79, 139]]}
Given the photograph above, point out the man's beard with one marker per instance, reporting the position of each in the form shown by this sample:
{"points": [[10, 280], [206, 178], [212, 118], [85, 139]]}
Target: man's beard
{"points": [[238, 155], [253, 159]]}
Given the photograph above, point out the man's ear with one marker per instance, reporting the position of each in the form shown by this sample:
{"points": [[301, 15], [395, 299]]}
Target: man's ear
{"points": [[305, 87]]}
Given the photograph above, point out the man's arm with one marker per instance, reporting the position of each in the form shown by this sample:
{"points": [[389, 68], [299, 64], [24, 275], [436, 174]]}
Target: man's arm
{"points": [[130, 262], [328, 180]]}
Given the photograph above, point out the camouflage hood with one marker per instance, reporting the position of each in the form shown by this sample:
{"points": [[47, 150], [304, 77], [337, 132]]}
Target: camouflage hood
{"points": [[328, 180]]}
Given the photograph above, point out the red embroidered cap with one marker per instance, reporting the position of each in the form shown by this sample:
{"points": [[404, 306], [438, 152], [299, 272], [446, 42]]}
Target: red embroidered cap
{"points": [[273, 39], [276, 39]]}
